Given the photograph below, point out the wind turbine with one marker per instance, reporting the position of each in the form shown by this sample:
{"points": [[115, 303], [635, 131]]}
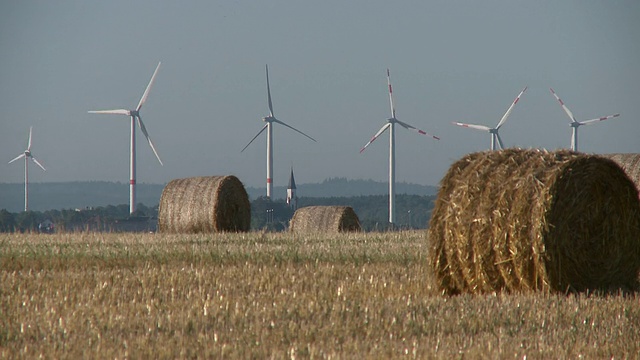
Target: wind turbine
{"points": [[392, 149], [269, 120], [27, 155], [135, 114], [495, 135], [575, 124]]}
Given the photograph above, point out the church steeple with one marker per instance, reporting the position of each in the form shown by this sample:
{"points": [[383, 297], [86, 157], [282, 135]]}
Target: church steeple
{"points": [[292, 181], [292, 199]]}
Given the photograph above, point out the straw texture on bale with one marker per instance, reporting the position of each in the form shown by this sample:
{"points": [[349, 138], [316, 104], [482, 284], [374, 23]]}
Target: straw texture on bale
{"points": [[630, 163], [204, 204], [325, 219], [530, 220]]}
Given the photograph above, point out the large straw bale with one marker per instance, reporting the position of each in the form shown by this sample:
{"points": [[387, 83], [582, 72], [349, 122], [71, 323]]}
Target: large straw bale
{"points": [[630, 163], [325, 219], [531, 220], [204, 204]]}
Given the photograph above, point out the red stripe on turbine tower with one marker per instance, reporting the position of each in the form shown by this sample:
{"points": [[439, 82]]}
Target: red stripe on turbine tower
{"points": [[132, 182], [268, 181]]}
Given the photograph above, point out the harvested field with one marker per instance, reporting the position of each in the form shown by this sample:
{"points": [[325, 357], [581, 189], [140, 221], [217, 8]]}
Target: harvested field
{"points": [[262, 295], [204, 204], [530, 220], [325, 219]]}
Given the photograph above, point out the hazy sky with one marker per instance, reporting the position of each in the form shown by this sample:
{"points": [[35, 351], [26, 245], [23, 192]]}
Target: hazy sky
{"points": [[450, 61]]}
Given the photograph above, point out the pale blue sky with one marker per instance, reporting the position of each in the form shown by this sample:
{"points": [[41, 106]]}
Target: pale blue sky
{"points": [[450, 61]]}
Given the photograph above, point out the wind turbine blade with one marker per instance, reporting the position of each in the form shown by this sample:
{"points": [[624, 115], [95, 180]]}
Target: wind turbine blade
{"points": [[393, 109], [269, 91], [382, 129], [472, 126], [506, 115], [589, 122], [409, 127], [37, 163], [566, 109], [294, 129], [146, 92], [113, 112], [146, 135], [500, 143], [29, 143], [17, 158], [258, 134]]}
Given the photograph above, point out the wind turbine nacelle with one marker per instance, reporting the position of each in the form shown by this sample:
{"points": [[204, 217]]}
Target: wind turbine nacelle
{"points": [[134, 113], [27, 153], [268, 119]]}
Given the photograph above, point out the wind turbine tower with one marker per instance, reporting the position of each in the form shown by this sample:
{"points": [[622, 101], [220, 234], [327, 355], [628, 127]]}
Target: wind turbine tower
{"points": [[27, 155], [270, 120], [135, 114], [575, 124], [392, 149], [495, 135]]}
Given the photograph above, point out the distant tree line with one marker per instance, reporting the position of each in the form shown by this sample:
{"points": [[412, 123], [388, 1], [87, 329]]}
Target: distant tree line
{"points": [[412, 212], [102, 218], [343, 187], [80, 194]]}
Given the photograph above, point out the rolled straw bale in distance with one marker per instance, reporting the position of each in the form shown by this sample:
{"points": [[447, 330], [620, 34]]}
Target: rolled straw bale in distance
{"points": [[325, 219], [531, 220], [204, 204], [630, 163]]}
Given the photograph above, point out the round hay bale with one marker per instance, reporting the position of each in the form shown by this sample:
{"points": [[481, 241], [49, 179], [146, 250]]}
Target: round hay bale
{"points": [[630, 163], [325, 219], [531, 220], [204, 204]]}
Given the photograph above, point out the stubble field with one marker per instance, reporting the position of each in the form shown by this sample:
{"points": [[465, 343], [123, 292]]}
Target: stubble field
{"points": [[266, 295]]}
